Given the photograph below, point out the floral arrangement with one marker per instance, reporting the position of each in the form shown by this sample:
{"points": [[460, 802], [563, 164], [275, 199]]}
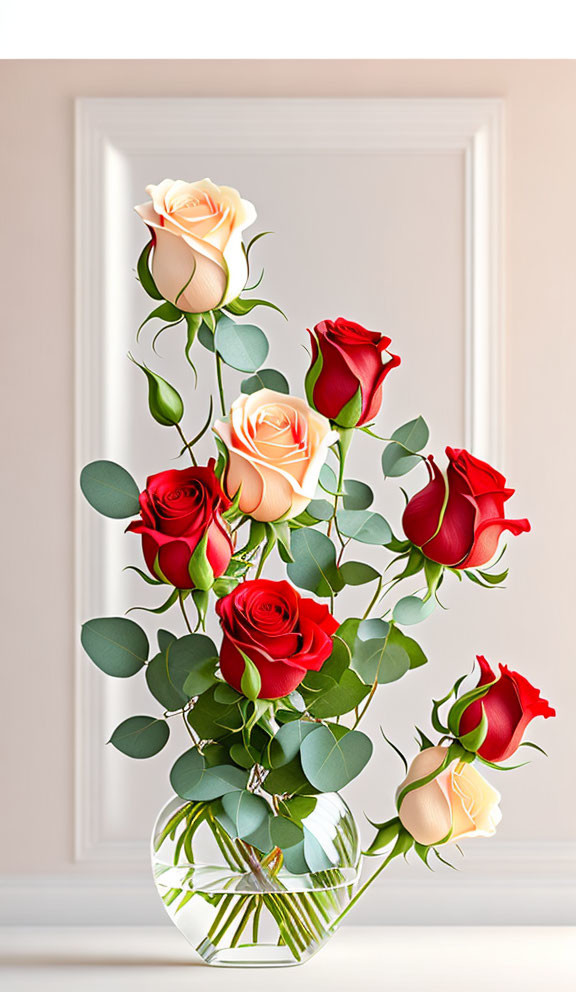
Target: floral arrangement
{"points": [[271, 714]]}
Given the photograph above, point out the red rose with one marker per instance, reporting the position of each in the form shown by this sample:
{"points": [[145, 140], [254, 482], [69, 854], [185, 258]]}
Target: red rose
{"points": [[458, 520], [179, 508], [510, 704], [345, 378], [284, 635]]}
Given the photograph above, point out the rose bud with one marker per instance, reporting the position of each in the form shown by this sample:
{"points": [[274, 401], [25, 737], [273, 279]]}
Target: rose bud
{"points": [[458, 520], [198, 260], [184, 538], [281, 632], [509, 704], [457, 803], [349, 365], [276, 447]]}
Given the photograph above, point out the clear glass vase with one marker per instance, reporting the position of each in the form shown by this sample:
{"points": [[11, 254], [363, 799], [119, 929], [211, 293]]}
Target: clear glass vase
{"points": [[238, 907]]}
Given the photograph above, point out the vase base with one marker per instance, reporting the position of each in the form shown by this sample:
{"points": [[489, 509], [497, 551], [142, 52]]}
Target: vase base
{"points": [[253, 955]]}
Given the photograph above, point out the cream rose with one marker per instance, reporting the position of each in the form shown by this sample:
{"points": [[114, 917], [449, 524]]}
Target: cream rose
{"points": [[197, 228], [459, 799], [276, 447]]}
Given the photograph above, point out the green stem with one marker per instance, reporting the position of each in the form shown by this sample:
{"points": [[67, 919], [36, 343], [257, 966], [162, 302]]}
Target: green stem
{"points": [[374, 599], [184, 614], [343, 448], [186, 445], [220, 383]]}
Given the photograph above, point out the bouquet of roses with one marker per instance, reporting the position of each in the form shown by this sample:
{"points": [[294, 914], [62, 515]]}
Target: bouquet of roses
{"points": [[271, 714]]}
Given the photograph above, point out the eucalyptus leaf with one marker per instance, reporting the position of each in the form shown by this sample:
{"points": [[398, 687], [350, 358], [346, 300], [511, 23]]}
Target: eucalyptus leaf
{"points": [[266, 379], [285, 833], [141, 736], [358, 496], [316, 856], [396, 461], [411, 610], [246, 812], [110, 489], [342, 698], [320, 509], [241, 346], [364, 526], [410, 646], [116, 645], [289, 779], [330, 764], [357, 573], [192, 779], [286, 744], [314, 565]]}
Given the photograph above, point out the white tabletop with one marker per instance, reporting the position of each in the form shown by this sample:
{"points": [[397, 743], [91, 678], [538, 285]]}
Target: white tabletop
{"points": [[392, 959]]}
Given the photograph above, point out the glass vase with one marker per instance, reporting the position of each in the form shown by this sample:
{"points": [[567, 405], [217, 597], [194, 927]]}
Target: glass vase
{"points": [[238, 907]]}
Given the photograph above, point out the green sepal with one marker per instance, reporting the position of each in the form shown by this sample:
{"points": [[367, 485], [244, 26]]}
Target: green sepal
{"points": [[386, 832], [201, 599], [199, 568], [282, 532], [312, 377], [474, 739], [224, 585], [233, 510], [433, 573], [423, 850], [454, 752], [457, 709], [166, 312], [257, 535], [351, 411], [164, 402], [172, 598], [193, 322], [143, 575], [240, 307], [423, 741], [144, 272]]}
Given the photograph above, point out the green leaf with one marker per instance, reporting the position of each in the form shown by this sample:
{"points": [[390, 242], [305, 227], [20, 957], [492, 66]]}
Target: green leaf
{"points": [[145, 275], [339, 659], [396, 462], [316, 856], [245, 811], [164, 402], [350, 413], [286, 744], [298, 808], [358, 496], [320, 509], [160, 684], [375, 656], [241, 346], [206, 337], [288, 779], [116, 645], [341, 698], [191, 663], [330, 764], [314, 565], [212, 719], [191, 778], [327, 480], [165, 639], [110, 489], [364, 526], [411, 610], [266, 379], [492, 578], [413, 435], [141, 736], [410, 646], [285, 833], [357, 573]]}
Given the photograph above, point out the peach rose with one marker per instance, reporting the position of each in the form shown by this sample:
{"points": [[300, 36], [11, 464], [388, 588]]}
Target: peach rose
{"points": [[276, 447], [459, 799], [197, 228]]}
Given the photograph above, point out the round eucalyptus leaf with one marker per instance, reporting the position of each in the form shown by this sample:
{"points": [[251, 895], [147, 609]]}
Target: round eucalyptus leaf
{"points": [[396, 461], [206, 337], [266, 379], [341, 698], [317, 858], [413, 435], [285, 833], [161, 686], [141, 736], [241, 346], [364, 526], [246, 811], [411, 609], [110, 489], [116, 645], [358, 496], [320, 509], [191, 778], [286, 744], [330, 764]]}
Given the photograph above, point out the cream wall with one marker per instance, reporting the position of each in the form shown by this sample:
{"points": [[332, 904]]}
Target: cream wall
{"points": [[37, 264]]}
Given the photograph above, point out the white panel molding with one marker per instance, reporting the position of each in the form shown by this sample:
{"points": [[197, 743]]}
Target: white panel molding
{"points": [[108, 133]]}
